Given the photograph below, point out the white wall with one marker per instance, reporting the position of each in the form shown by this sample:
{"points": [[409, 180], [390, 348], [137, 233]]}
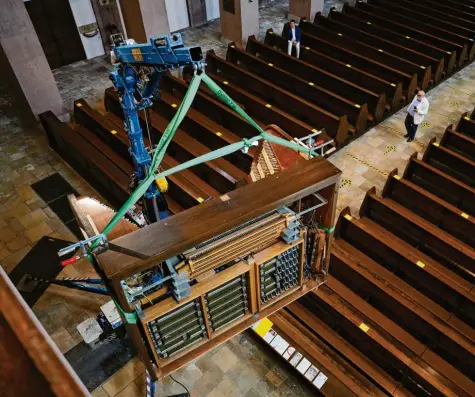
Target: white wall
{"points": [[177, 11], [84, 15], [212, 9]]}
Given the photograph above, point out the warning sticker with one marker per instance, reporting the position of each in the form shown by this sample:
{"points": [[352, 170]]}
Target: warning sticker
{"points": [[296, 358], [270, 335], [282, 346], [289, 352], [320, 380], [311, 373], [262, 327], [303, 366]]}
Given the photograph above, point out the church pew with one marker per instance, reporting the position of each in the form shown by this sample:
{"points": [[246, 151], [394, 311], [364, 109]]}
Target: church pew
{"points": [[459, 143], [344, 379], [344, 69], [416, 231], [376, 41], [380, 30], [264, 112], [374, 16], [403, 304], [438, 29], [347, 41], [353, 58], [453, 24], [468, 7], [431, 366], [209, 106], [450, 162], [336, 127], [357, 113], [184, 187], [323, 320], [345, 88], [441, 285], [430, 207], [219, 173], [337, 320], [103, 175], [441, 184], [452, 9], [203, 129], [466, 125]]}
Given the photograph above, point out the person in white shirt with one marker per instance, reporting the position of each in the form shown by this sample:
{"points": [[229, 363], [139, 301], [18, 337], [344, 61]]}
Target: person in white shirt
{"points": [[416, 112], [293, 37]]}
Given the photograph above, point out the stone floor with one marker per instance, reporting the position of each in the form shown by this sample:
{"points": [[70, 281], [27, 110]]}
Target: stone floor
{"points": [[240, 367]]}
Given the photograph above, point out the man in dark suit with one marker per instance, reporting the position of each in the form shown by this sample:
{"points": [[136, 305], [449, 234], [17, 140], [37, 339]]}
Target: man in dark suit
{"points": [[293, 36]]}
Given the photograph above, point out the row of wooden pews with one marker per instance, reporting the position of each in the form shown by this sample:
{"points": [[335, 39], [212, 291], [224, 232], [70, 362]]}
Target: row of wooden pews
{"points": [[397, 314]]}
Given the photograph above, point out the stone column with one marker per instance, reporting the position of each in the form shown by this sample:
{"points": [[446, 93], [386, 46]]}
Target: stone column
{"points": [[239, 19], [305, 8], [144, 19], [23, 50]]}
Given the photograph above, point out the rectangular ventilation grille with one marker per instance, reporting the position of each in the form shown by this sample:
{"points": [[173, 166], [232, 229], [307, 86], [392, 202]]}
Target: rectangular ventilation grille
{"points": [[178, 329], [227, 303], [279, 274]]}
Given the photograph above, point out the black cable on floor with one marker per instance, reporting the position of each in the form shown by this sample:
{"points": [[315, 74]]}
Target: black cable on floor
{"points": [[181, 384]]}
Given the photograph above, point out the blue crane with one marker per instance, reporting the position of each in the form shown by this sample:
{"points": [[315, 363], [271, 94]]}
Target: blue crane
{"points": [[136, 76]]}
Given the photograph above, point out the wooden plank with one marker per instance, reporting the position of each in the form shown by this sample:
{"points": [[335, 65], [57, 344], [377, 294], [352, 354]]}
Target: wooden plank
{"points": [[418, 232], [343, 378], [431, 208], [433, 27], [466, 126], [89, 162], [233, 209], [442, 379], [441, 184], [371, 341], [395, 37], [450, 162], [409, 82], [452, 10], [265, 112], [219, 173], [429, 277], [377, 54], [403, 51], [458, 30], [350, 72], [310, 313], [459, 143], [373, 15], [357, 113], [185, 188], [204, 129], [210, 107], [28, 354], [336, 127], [343, 87], [370, 281]]}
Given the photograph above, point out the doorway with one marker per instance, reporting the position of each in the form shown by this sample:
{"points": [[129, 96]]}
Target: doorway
{"points": [[57, 31]]}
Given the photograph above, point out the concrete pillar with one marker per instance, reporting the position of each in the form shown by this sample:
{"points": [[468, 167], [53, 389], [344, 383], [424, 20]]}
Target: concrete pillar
{"points": [[144, 19], [239, 19], [305, 8], [23, 50]]}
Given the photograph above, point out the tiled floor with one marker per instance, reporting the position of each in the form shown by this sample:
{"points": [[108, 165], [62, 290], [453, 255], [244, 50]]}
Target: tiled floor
{"points": [[240, 367]]}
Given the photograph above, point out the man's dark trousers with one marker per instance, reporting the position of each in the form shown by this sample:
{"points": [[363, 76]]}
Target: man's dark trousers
{"points": [[411, 128]]}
